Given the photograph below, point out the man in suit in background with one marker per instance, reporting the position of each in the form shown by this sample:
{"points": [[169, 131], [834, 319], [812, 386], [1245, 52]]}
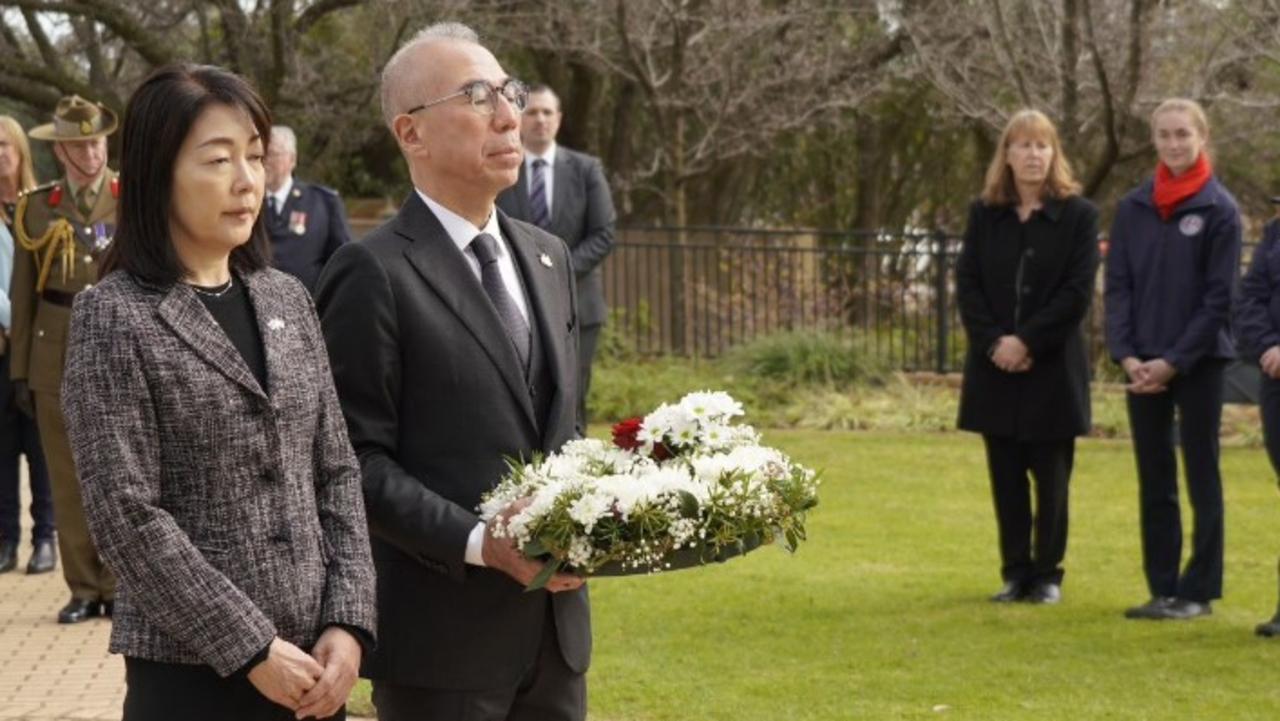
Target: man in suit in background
{"points": [[565, 193], [306, 222], [452, 333]]}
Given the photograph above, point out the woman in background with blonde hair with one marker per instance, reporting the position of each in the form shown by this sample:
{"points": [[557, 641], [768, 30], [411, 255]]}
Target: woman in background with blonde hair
{"points": [[18, 434], [16, 173], [1171, 270], [1024, 281]]}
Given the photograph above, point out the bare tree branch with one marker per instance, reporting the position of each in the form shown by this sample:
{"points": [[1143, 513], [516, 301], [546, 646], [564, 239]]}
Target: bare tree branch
{"points": [[317, 11], [50, 56], [1005, 53], [151, 47], [1111, 149], [25, 91]]}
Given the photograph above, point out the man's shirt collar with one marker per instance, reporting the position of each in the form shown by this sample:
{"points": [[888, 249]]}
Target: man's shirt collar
{"points": [[462, 231], [95, 185], [282, 196], [549, 156]]}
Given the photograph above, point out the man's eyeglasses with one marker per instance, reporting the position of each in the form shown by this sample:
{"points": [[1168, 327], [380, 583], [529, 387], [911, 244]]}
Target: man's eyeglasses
{"points": [[483, 96]]}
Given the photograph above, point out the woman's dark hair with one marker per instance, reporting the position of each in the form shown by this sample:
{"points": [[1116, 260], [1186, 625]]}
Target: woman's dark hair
{"points": [[156, 122]]}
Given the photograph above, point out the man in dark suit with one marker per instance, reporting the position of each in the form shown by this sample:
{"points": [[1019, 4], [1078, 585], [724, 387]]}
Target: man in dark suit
{"points": [[452, 332], [565, 193], [306, 222]]}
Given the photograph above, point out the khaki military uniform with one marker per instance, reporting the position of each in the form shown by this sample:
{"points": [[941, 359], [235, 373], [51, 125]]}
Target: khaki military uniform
{"points": [[49, 268]]}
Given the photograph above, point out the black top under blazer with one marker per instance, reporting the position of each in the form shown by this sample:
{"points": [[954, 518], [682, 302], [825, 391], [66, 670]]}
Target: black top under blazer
{"points": [[230, 514], [1034, 280], [436, 402]]}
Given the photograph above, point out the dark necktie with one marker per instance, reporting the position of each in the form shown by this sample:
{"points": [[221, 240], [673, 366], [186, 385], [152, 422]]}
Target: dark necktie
{"points": [[538, 212], [486, 249], [84, 203], [271, 203]]}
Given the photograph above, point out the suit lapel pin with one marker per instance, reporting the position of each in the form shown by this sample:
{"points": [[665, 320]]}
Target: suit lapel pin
{"points": [[545, 259], [275, 324]]}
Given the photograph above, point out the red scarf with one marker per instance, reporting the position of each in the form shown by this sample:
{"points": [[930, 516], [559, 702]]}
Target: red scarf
{"points": [[1171, 190]]}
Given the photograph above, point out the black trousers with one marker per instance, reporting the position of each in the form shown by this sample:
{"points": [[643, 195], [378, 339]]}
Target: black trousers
{"points": [[1269, 403], [588, 338], [159, 691], [1197, 396], [19, 437], [1031, 546], [549, 691]]}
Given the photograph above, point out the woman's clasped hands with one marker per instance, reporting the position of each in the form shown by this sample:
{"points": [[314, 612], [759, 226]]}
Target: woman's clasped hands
{"points": [[1011, 355], [312, 686]]}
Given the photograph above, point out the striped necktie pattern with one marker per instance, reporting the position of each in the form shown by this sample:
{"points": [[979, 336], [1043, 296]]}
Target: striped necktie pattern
{"points": [[538, 212]]}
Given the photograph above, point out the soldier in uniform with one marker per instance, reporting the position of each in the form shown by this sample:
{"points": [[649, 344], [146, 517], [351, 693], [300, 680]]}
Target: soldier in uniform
{"points": [[306, 222], [61, 231]]}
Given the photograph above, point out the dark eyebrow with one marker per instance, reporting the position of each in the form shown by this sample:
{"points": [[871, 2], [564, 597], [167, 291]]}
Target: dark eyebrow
{"points": [[222, 140]]}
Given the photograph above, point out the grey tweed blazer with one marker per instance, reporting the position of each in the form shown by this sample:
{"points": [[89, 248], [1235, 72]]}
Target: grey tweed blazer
{"points": [[230, 515]]}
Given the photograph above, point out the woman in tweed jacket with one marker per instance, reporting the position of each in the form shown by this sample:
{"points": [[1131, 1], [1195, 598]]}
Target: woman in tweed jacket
{"points": [[218, 480]]}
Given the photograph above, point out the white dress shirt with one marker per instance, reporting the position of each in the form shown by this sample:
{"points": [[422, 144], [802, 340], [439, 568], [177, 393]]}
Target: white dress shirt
{"points": [[461, 231], [282, 194], [548, 173]]}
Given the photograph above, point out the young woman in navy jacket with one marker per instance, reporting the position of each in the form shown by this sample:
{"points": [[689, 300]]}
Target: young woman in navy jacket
{"points": [[1170, 273]]}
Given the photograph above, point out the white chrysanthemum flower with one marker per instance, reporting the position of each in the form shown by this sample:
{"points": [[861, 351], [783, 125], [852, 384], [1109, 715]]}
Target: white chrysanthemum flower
{"points": [[669, 423], [710, 468], [712, 405], [590, 508]]}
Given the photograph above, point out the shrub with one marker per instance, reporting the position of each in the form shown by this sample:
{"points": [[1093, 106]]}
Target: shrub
{"points": [[804, 358]]}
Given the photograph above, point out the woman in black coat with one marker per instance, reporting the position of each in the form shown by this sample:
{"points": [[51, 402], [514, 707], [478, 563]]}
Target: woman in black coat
{"points": [[1024, 281]]}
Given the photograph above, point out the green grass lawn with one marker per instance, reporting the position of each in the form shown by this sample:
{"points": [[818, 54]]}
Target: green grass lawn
{"points": [[882, 614]]}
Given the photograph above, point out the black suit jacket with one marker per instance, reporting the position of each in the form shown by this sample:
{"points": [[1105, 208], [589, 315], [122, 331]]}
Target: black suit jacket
{"points": [[582, 215], [323, 223], [435, 402]]}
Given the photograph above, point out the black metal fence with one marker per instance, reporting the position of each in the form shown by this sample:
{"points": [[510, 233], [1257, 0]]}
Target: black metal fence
{"points": [[699, 291]]}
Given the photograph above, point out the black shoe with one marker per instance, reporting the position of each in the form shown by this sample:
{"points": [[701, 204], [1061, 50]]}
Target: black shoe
{"points": [[77, 610], [1153, 609], [43, 557], [1182, 609], [108, 608], [1270, 628], [1010, 592], [1045, 592], [8, 555]]}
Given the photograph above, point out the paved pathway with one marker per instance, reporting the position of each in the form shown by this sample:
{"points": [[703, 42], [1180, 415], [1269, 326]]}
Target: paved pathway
{"points": [[50, 672]]}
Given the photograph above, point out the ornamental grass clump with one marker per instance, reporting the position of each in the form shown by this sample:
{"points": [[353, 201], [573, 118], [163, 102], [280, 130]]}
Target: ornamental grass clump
{"points": [[681, 487]]}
